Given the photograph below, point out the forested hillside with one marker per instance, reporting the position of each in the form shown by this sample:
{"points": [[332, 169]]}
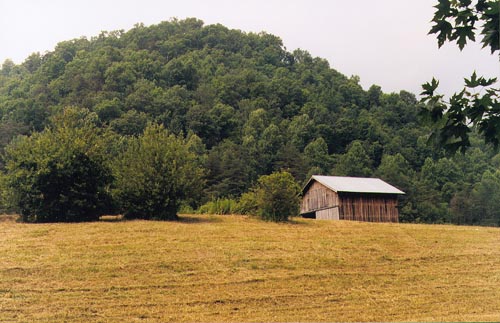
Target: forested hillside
{"points": [[250, 107]]}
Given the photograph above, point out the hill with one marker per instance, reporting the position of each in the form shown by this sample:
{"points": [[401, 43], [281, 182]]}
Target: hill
{"points": [[228, 268], [255, 108]]}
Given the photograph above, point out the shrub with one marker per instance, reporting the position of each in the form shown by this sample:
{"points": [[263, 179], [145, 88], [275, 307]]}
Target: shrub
{"points": [[59, 175], [155, 174], [4, 194], [219, 206], [247, 204], [277, 196]]}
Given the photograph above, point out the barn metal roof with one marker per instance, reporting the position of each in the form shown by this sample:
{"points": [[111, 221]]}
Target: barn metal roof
{"points": [[355, 184]]}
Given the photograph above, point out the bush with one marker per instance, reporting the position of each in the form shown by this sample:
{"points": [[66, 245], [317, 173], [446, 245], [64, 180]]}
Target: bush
{"points": [[155, 174], [247, 204], [277, 196], [274, 198], [59, 175], [219, 206], [185, 208], [4, 194]]}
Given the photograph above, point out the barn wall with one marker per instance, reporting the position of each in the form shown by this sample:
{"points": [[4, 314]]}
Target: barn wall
{"points": [[327, 204], [328, 214], [318, 197], [369, 207]]}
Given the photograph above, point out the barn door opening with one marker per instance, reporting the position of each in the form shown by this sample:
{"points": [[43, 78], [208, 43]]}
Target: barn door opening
{"points": [[309, 215]]}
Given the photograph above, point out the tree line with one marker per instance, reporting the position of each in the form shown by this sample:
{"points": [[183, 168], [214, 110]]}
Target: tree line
{"points": [[232, 107]]}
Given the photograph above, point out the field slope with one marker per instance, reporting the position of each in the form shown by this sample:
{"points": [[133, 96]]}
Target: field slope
{"points": [[215, 268]]}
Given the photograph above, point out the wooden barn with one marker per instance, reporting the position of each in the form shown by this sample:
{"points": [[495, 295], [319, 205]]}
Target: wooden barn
{"points": [[350, 198]]}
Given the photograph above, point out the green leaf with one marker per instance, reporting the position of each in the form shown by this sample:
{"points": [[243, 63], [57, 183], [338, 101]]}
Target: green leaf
{"points": [[472, 82], [464, 17], [444, 30], [481, 5], [465, 3], [443, 10], [487, 82], [479, 108], [462, 34], [429, 88], [491, 26]]}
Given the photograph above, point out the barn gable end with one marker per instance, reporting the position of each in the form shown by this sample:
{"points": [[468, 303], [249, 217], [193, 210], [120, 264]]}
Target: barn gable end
{"points": [[350, 198], [318, 197]]}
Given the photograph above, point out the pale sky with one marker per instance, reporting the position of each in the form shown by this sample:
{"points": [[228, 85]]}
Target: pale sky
{"points": [[384, 42]]}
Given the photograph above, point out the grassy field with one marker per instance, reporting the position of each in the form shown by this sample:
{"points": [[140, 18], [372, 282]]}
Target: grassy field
{"points": [[228, 268]]}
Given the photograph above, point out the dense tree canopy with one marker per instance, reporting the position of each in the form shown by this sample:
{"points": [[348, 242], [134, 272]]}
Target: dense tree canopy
{"points": [[242, 106]]}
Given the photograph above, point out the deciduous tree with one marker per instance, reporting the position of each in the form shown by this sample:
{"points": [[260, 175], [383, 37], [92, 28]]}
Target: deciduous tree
{"points": [[277, 196], [60, 175], [155, 174]]}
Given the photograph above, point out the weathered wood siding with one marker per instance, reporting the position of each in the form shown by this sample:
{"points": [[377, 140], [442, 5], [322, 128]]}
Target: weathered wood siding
{"points": [[369, 207], [318, 197], [328, 214], [326, 204]]}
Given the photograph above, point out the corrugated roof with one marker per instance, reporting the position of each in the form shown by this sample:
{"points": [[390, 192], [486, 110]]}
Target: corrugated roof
{"points": [[355, 184]]}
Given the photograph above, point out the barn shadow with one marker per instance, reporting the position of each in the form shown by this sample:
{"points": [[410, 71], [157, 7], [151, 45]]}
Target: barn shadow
{"points": [[298, 220], [111, 218], [182, 218], [187, 218], [10, 218]]}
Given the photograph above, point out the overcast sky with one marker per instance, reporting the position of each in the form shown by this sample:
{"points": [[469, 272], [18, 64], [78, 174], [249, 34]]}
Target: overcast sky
{"points": [[384, 42]]}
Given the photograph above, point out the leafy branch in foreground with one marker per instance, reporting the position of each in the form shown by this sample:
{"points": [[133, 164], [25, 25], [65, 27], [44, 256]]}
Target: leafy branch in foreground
{"points": [[477, 106]]}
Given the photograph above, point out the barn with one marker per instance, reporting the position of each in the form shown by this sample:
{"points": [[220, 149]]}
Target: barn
{"points": [[350, 198]]}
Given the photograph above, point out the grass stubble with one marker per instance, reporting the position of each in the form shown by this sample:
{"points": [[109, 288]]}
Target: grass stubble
{"points": [[235, 268]]}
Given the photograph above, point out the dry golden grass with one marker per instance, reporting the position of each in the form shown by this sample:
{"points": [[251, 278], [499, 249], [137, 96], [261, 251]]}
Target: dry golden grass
{"points": [[228, 268]]}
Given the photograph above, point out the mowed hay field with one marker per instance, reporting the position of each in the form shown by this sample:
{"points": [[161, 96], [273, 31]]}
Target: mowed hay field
{"points": [[233, 268]]}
